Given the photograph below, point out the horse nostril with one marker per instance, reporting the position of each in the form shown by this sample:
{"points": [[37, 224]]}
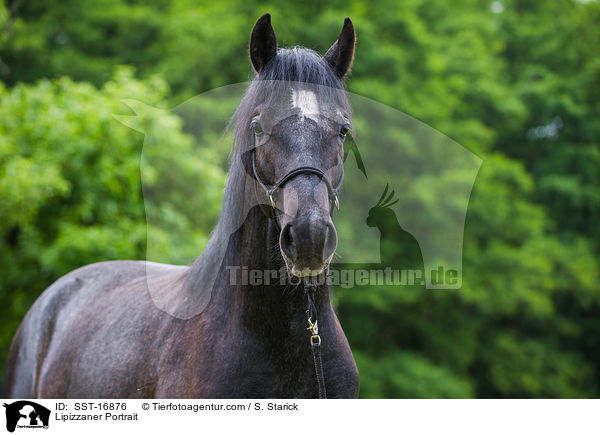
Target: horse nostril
{"points": [[287, 242], [330, 244]]}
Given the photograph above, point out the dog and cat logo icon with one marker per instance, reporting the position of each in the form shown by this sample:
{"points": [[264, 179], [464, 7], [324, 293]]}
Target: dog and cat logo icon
{"points": [[25, 414]]}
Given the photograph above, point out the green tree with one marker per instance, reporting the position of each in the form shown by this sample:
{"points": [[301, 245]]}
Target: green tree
{"points": [[71, 189]]}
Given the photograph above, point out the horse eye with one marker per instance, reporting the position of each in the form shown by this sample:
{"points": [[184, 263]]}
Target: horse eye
{"points": [[255, 125], [344, 129]]}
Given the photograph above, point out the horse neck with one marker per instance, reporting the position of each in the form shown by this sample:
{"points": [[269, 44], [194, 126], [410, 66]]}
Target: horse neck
{"points": [[276, 304], [253, 246]]}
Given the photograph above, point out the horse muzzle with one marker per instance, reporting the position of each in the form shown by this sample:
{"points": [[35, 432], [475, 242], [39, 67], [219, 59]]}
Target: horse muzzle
{"points": [[307, 244]]}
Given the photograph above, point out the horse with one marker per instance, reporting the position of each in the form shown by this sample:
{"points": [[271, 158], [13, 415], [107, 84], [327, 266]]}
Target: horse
{"points": [[97, 333]]}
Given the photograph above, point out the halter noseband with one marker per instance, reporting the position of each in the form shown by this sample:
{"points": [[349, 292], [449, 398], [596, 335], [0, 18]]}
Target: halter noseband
{"points": [[333, 192]]}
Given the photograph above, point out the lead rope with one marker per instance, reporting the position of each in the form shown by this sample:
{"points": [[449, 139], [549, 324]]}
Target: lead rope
{"points": [[315, 339]]}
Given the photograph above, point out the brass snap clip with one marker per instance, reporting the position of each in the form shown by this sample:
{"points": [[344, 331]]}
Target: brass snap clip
{"points": [[315, 338]]}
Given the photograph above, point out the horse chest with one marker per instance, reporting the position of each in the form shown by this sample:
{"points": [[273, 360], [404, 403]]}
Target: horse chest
{"points": [[251, 368]]}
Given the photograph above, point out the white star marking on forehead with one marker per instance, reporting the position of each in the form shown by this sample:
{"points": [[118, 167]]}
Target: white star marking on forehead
{"points": [[307, 102]]}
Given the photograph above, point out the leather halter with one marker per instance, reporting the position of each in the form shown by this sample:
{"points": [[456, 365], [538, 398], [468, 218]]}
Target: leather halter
{"points": [[332, 191]]}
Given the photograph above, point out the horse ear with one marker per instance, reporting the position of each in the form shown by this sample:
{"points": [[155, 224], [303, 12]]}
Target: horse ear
{"points": [[341, 54], [263, 43]]}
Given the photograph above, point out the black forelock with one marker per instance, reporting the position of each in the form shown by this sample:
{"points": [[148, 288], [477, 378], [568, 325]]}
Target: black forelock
{"points": [[299, 64]]}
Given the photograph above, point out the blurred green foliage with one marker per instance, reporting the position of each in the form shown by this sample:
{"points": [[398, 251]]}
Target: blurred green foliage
{"points": [[515, 81]]}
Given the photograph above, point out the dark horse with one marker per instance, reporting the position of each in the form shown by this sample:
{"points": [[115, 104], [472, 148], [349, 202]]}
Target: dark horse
{"points": [[96, 332]]}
